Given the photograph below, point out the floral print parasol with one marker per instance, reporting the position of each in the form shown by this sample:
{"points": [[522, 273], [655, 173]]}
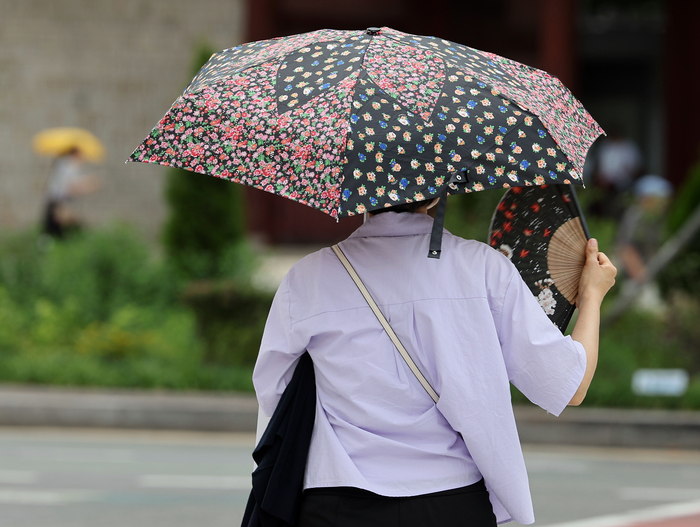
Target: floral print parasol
{"points": [[353, 121]]}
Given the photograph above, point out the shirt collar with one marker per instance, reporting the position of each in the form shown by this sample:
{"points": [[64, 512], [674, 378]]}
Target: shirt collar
{"points": [[395, 224]]}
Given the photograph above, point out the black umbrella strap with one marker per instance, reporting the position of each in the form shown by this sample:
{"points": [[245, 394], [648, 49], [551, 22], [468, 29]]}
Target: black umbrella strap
{"points": [[456, 179], [436, 234]]}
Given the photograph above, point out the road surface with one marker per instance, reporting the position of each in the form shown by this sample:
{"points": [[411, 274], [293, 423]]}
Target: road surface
{"points": [[110, 478]]}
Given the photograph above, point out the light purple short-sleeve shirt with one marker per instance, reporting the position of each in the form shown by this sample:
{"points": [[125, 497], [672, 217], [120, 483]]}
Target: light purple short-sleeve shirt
{"points": [[471, 325]]}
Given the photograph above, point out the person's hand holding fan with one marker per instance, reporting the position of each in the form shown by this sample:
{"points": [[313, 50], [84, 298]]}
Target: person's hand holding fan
{"points": [[543, 232]]}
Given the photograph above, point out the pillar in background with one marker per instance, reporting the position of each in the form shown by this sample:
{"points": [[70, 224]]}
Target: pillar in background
{"points": [[261, 18], [682, 87], [273, 219], [557, 40]]}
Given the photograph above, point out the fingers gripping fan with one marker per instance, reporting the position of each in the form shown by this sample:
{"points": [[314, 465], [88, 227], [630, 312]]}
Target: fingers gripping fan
{"points": [[543, 232]]}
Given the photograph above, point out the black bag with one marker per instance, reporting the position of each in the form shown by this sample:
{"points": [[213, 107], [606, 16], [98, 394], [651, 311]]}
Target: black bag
{"points": [[278, 480]]}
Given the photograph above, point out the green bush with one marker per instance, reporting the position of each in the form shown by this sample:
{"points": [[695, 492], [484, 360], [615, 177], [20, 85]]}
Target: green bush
{"points": [[682, 273], [60, 367], [686, 200], [21, 260], [92, 274], [469, 215], [98, 309], [101, 271], [13, 323], [230, 320], [643, 340], [637, 340]]}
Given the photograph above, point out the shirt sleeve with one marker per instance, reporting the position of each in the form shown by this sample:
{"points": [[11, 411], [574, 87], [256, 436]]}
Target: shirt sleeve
{"points": [[546, 366], [279, 353]]}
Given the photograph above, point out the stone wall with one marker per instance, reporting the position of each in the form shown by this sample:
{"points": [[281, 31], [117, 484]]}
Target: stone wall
{"points": [[111, 66]]}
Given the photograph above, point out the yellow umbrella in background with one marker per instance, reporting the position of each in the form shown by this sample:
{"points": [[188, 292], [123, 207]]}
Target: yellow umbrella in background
{"points": [[59, 141]]}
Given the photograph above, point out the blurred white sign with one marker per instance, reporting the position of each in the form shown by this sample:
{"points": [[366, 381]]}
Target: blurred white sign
{"points": [[671, 383]]}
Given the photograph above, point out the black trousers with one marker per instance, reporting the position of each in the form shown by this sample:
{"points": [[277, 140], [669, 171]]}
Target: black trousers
{"points": [[349, 507]]}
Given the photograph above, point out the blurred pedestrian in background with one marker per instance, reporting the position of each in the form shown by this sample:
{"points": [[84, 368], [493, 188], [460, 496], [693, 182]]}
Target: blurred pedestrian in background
{"points": [[617, 164], [69, 175], [69, 178], [641, 233]]}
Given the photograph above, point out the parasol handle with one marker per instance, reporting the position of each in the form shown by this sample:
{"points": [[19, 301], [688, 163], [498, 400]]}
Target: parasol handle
{"points": [[574, 196]]}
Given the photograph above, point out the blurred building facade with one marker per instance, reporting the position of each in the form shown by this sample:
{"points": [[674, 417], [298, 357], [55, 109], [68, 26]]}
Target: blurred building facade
{"points": [[111, 66], [115, 66], [624, 59]]}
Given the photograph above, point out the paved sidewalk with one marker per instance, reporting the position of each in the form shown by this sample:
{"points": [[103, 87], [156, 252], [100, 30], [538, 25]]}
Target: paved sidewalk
{"points": [[141, 409], [611, 427]]}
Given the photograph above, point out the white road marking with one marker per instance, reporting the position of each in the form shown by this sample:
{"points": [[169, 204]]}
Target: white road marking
{"points": [[79, 455], [45, 497], [17, 477], [555, 465], [658, 494], [663, 512], [167, 481]]}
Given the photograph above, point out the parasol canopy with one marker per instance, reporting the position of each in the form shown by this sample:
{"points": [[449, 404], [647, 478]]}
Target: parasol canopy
{"points": [[56, 142]]}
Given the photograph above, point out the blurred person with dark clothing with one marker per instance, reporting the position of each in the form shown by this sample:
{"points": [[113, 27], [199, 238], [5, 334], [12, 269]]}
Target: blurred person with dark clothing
{"points": [[618, 164], [68, 179]]}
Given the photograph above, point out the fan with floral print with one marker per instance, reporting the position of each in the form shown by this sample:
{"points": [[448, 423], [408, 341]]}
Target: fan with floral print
{"points": [[543, 232]]}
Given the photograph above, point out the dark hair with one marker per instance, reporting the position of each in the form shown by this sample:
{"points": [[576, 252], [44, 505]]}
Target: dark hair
{"points": [[404, 207], [70, 151]]}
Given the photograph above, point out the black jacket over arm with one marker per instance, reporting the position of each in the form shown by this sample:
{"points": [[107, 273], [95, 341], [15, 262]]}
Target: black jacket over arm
{"points": [[278, 480]]}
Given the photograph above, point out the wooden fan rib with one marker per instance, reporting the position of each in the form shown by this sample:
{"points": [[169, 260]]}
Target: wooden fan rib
{"points": [[568, 254], [566, 258], [572, 260], [570, 245], [567, 287], [563, 264], [567, 246]]}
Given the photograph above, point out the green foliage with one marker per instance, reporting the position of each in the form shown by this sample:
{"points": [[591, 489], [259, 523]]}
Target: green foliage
{"points": [[97, 309], [682, 273], [89, 275], [682, 323], [20, 267], [60, 367], [686, 200], [205, 224], [469, 215], [637, 340], [206, 221], [643, 340], [230, 320], [13, 323]]}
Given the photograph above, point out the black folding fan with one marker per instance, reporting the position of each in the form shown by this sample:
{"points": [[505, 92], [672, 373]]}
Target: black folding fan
{"points": [[543, 232]]}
